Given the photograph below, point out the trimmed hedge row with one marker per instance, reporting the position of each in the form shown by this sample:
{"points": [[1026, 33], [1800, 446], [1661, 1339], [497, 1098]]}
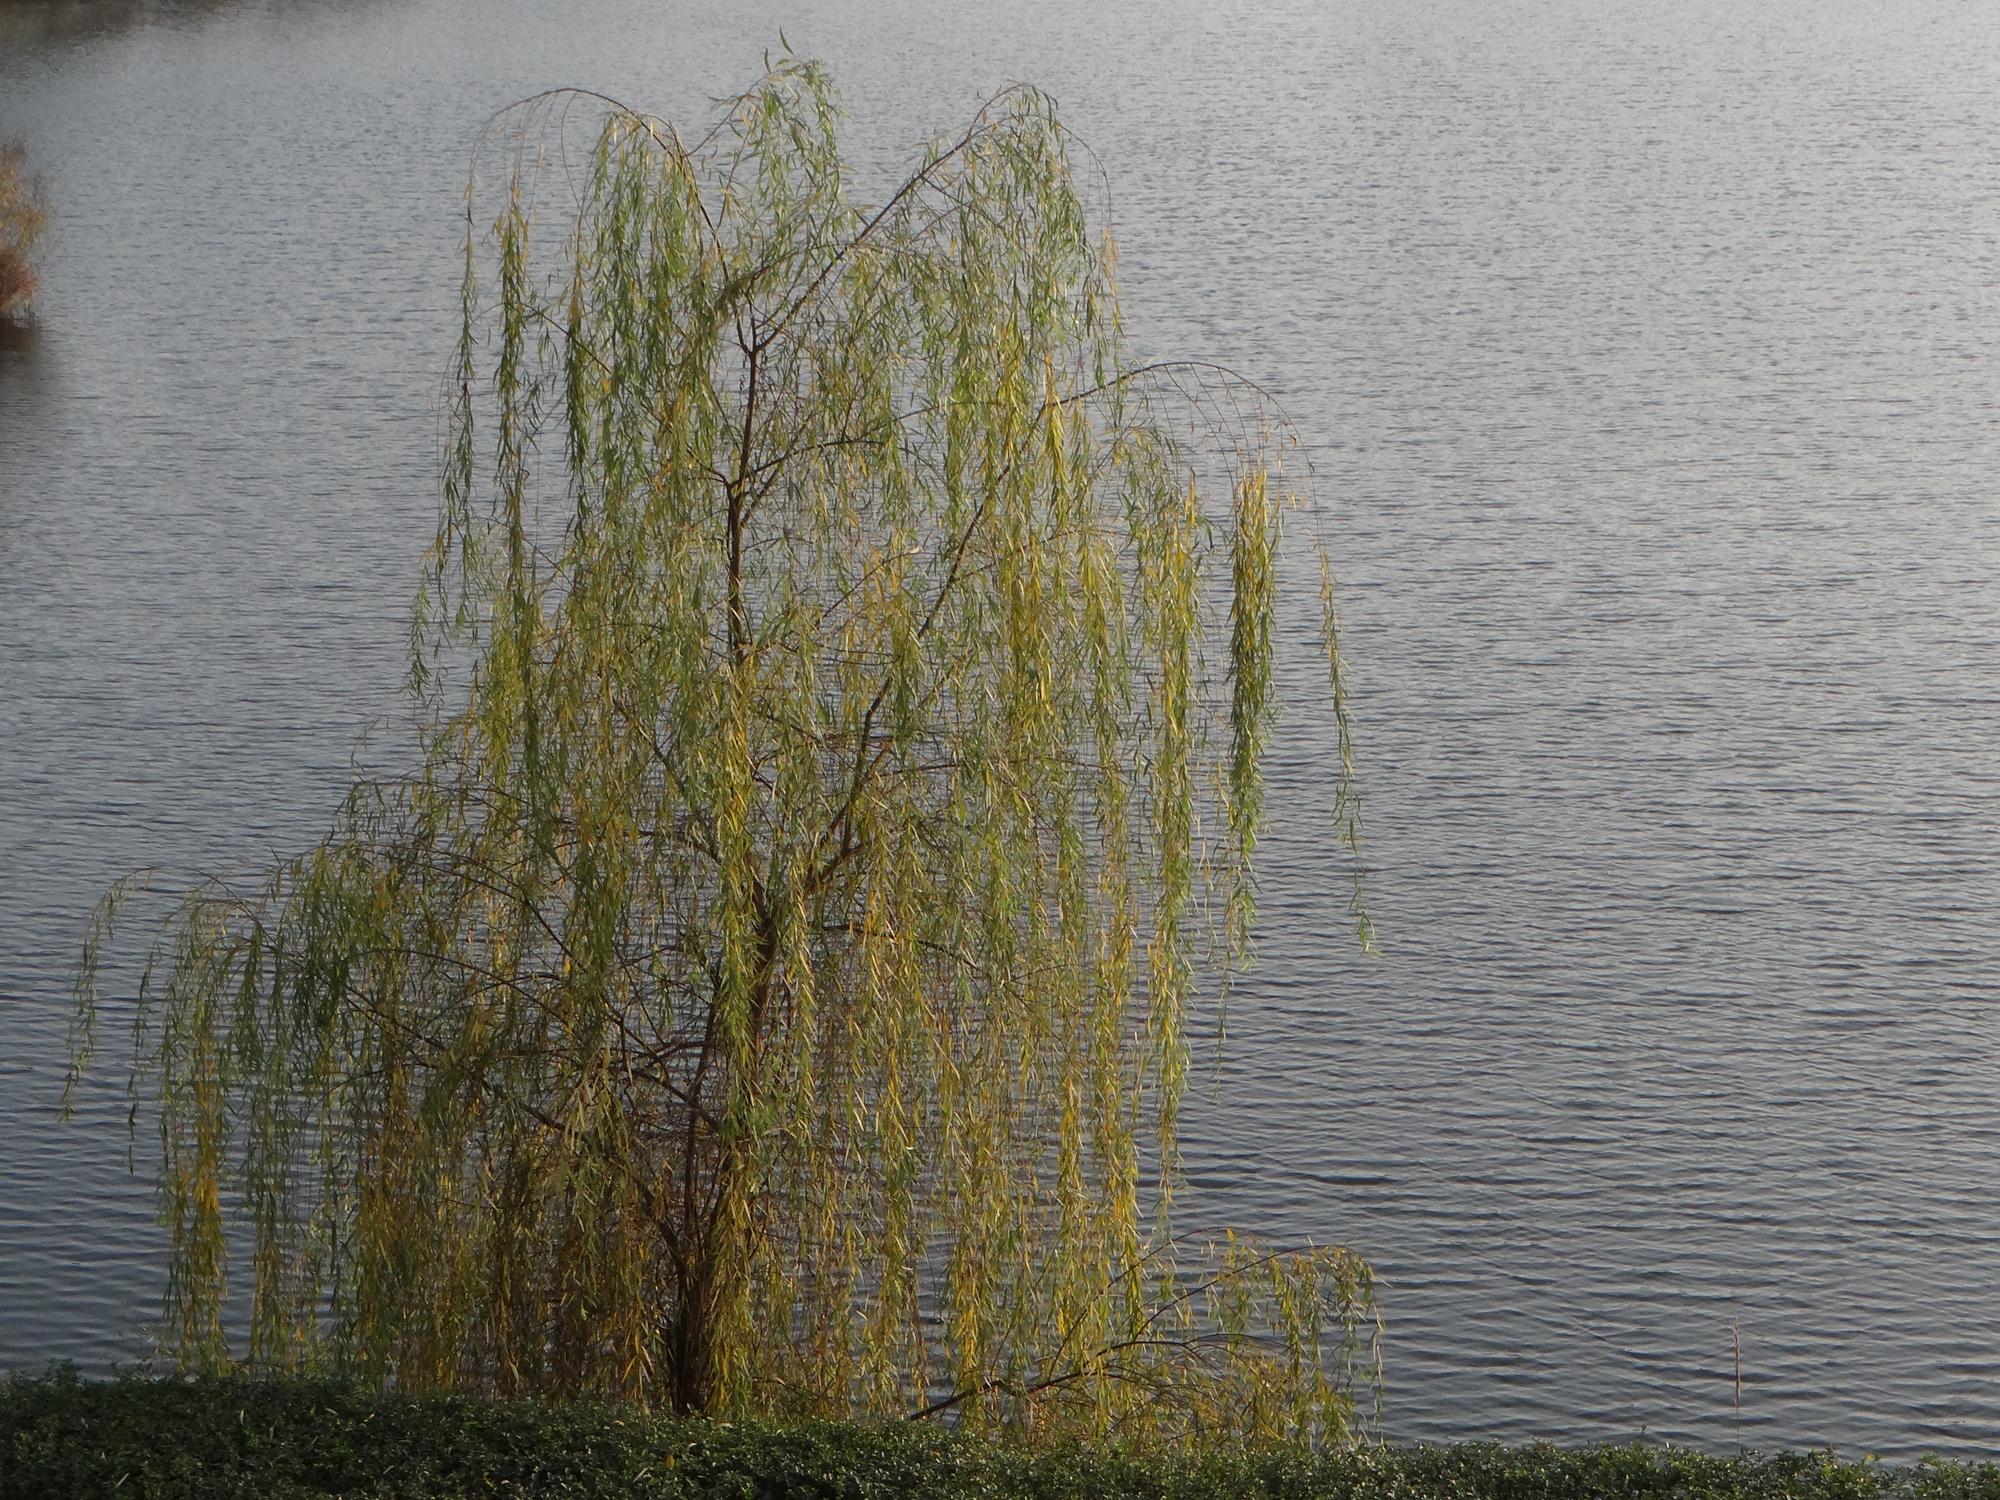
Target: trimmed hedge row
{"points": [[62, 1437]]}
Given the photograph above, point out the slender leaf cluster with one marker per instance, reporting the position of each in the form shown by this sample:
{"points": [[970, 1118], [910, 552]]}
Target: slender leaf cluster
{"points": [[845, 699]]}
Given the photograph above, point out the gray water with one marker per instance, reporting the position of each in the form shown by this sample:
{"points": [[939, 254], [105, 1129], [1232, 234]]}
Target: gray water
{"points": [[1647, 357]]}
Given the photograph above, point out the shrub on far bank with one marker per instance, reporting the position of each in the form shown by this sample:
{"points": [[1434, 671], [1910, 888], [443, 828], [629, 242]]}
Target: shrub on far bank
{"points": [[223, 1437], [23, 214]]}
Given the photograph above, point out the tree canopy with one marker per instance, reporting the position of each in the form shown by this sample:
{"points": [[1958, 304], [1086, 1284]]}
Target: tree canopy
{"points": [[843, 679]]}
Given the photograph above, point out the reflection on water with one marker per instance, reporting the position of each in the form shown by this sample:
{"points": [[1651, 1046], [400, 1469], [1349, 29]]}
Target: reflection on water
{"points": [[1646, 352], [20, 357], [29, 391], [41, 23]]}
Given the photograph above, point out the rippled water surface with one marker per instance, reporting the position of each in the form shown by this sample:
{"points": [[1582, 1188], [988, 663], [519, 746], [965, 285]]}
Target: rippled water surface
{"points": [[1648, 357]]}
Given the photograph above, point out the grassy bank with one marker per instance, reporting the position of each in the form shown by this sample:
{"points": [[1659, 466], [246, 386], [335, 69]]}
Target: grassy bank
{"points": [[62, 1437]]}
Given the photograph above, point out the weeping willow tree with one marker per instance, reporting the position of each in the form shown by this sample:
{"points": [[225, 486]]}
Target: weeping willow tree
{"points": [[843, 681]]}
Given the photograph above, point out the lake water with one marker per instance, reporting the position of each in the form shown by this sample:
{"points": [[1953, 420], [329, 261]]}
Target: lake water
{"points": [[1648, 358]]}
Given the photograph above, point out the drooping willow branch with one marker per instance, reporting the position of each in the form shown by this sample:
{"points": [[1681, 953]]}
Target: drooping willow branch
{"points": [[771, 993]]}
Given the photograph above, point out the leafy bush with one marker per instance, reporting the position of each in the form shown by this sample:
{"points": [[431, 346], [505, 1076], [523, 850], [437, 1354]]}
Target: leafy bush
{"points": [[23, 214], [222, 1437]]}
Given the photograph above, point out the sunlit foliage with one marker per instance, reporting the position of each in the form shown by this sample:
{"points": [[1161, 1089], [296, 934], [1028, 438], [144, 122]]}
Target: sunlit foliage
{"points": [[843, 698]]}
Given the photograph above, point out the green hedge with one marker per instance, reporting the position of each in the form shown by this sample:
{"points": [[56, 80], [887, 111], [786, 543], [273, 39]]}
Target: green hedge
{"points": [[62, 1437]]}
